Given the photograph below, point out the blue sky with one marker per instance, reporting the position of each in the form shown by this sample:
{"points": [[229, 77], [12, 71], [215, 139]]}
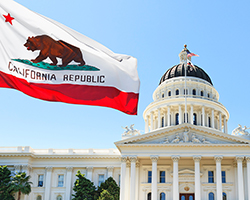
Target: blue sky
{"points": [[152, 31]]}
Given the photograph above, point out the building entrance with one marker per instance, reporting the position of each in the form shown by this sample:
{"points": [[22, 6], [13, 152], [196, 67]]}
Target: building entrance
{"points": [[186, 196]]}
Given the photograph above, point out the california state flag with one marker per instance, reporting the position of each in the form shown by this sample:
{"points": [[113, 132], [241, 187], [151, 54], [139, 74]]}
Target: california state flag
{"points": [[47, 60]]}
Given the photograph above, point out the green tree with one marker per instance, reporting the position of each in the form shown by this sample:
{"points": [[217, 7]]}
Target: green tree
{"points": [[84, 188], [5, 184], [105, 195], [111, 186], [21, 184]]}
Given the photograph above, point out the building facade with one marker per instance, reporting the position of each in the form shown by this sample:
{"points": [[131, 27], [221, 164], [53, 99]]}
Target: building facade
{"points": [[186, 152]]}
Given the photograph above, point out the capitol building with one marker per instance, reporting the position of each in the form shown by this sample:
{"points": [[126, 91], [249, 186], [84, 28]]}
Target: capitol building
{"points": [[186, 152]]}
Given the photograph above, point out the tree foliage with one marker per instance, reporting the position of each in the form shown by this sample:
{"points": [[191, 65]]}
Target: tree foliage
{"points": [[5, 184], [84, 188], [21, 184], [111, 187], [105, 195]]}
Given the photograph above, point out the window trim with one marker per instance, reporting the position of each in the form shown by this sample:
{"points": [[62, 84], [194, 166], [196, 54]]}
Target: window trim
{"points": [[58, 181]]}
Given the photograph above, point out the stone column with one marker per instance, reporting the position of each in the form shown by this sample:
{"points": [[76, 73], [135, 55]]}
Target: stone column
{"points": [[165, 118], [220, 121], [248, 175], [169, 116], [27, 169], [110, 170], [159, 118], [154, 177], [218, 177], [175, 177], [89, 173], [68, 182], [123, 177], [48, 182], [133, 177], [226, 128], [137, 180], [203, 116], [146, 124], [197, 177], [127, 187], [212, 122], [240, 177], [180, 115], [224, 120], [151, 121], [192, 114]]}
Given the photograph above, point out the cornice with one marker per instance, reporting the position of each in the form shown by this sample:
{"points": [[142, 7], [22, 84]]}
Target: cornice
{"points": [[185, 145], [165, 130], [60, 156]]}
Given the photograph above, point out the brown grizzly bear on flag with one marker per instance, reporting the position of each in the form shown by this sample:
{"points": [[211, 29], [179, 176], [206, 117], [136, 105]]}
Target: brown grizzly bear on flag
{"points": [[54, 49]]}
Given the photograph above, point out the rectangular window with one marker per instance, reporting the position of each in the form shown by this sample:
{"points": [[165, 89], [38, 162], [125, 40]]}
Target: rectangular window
{"points": [[223, 176], [149, 176], [162, 176], [40, 180], [119, 180], [60, 180], [210, 177], [101, 179]]}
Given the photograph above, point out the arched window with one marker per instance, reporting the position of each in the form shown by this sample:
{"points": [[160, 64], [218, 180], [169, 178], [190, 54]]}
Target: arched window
{"points": [[39, 197], [224, 196], [183, 197], [59, 197], [194, 119], [176, 118], [162, 95], [202, 94], [209, 121], [149, 196], [208, 95], [162, 196], [211, 196], [186, 121], [185, 91], [194, 91], [169, 93], [191, 198], [162, 122], [177, 92]]}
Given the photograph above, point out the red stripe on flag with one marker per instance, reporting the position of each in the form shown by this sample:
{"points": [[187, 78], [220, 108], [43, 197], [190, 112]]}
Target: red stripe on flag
{"points": [[75, 94]]}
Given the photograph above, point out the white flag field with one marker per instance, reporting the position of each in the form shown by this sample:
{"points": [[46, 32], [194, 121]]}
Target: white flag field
{"points": [[47, 60]]}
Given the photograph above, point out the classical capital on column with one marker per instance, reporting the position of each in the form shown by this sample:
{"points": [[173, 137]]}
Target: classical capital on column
{"points": [[89, 169], [69, 169], [133, 159], [239, 158], [26, 167], [128, 163], [124, 159], [154, 158], [175, 158], [17, 167], [248, 158], [137, 164], [49, 169], [218, 158], [197, 158], [110, 168]]}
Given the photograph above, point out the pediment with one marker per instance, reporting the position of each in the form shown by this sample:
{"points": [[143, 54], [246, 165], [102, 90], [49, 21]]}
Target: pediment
{"points": [[184, 135]]}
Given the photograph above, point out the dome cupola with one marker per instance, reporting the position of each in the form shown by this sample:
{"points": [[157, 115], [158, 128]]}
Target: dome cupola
{"points": [[179, 70], [190, 99]]}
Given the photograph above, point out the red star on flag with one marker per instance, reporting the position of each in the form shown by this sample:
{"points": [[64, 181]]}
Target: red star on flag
{"points": [[8, 18]]}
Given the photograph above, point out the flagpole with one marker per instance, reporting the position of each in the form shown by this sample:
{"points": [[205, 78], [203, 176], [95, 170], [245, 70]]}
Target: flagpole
{"points": [[185, 93]]}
